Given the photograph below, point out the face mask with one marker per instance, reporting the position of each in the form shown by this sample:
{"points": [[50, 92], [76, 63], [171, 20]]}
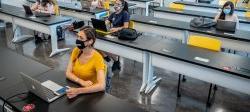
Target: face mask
{"points": [[80, 44], [226, 11]]}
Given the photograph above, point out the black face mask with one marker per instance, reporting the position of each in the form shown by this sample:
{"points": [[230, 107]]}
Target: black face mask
{"points": [[80, 44]]}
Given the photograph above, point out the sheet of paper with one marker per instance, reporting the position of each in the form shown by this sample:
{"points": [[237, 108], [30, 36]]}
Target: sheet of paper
{"points": [[51, 85], [202, 59]]}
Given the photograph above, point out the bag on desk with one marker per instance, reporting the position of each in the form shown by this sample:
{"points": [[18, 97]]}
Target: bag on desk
{"points": [[202, 22], [128, 34]]}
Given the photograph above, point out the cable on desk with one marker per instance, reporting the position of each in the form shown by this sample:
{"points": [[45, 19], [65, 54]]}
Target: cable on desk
{"points": [[4, 102]]}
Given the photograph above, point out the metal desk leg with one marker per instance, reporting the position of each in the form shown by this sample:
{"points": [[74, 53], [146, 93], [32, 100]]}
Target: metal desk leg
{"points": [[151, 83], [145, 71], [18, 37], [178, 88], [209, 95], [147, 8], [186, 36], [54, 45]]}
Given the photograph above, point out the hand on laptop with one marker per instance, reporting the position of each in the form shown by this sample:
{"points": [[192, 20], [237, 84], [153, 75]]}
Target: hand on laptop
{"points": [[72, 92]]}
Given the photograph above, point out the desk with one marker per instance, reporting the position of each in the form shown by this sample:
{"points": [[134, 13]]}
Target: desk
{"points": [[142, 4], [180, 58], [188, 15], [181, 30], [134, 50], [207, 7], [13, 63], [96, 102], [74, 9], [45, 25]]}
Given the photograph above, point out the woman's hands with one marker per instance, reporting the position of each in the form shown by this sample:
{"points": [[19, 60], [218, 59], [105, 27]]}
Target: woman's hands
{"points": [[85, 83], [73, 92]]}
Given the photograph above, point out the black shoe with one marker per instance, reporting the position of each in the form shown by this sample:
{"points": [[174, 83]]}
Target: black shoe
{"points": [[38, 39], [107, 59], [116, 66]]}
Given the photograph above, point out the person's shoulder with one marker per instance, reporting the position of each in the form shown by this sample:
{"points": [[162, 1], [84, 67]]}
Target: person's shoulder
{"points": [[125, 13], [97, 55], [75, 51]]}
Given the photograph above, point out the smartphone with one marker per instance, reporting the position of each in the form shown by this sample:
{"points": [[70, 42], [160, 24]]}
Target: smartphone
{"points": [[62, 91]]}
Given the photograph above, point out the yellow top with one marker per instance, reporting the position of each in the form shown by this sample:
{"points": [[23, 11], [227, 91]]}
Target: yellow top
{"points": [[87, 71]]}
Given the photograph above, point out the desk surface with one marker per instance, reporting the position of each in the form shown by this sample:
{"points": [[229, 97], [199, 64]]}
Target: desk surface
{"points": [[206, 5], [186, 53], [69, 6], [141, 0], [182, 25], [19, 12], [217, 60], [12, 64], [97, 102], [141, 43], [196, 13]]}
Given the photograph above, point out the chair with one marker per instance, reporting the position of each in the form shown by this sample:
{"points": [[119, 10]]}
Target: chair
{"points": [[206, 43], [176, 6]]}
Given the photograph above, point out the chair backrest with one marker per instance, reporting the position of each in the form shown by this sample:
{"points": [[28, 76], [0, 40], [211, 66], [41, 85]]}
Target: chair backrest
{"points": [[106, 5], [247, 14], [205, 42], [108, 73], [176, 6], [57, 10], [131, 24]]}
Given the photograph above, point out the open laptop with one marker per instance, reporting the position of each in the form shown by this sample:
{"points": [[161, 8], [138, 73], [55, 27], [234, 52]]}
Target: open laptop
{"points": [[37, 88], [29, 12], [228, 26], [100, 25]]}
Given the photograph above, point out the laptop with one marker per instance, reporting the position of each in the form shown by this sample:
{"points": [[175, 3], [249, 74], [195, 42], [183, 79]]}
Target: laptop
{"points": [[228, 26], [100, 25], [29, 12], [43, 90]]}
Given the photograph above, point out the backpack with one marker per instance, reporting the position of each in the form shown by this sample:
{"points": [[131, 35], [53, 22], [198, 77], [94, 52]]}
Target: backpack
{"points": [[201, 22], [128, 34]]}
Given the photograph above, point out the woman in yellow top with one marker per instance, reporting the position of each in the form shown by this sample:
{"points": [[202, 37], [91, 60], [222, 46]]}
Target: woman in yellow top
{"points": [[86, 65]]}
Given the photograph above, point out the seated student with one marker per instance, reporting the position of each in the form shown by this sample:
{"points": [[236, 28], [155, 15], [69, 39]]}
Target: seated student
{"points": [[227, 13], [118, 20], [86, 66], [43, 6], [96, 4]]}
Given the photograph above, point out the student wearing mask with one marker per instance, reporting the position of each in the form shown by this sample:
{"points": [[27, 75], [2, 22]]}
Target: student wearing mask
{"points": [[117, 20], [227, 14], [120, 18], [86, 66], [43, 6]]}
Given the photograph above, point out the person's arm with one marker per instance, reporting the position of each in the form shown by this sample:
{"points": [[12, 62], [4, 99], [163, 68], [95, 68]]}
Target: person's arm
{"points": [[71, 76], [100, 4], [48, 9], [125, 23], [34, 6], [217, 17], [100, 86]]}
